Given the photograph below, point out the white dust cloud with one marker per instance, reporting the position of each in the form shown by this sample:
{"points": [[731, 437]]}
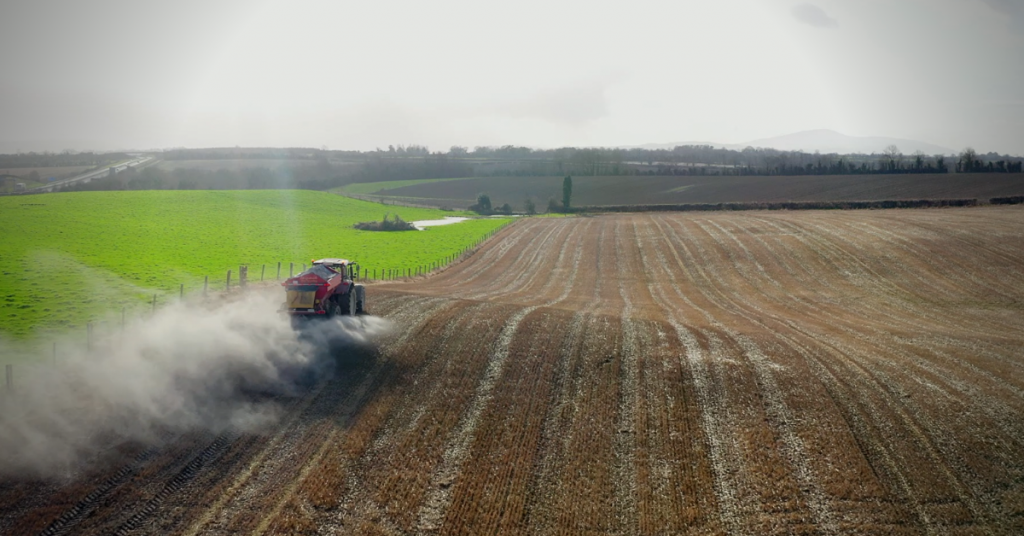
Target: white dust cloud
{"points": [[186, 367]]}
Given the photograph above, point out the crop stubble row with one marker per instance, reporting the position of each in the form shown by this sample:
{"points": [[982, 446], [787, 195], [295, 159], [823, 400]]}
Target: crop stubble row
{"points": [[690, 373]]}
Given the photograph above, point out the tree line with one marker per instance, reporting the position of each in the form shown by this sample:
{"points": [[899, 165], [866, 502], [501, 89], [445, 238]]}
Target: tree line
{"points": [[66, 158], [510, 160], [321, 169]]}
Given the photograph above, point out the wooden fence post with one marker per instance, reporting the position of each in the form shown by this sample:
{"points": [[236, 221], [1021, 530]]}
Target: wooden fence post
{"points": [[227, 286], [181, 291], [263, 271], [206, 283], [291, 269], [243, 275], [279, 269]]}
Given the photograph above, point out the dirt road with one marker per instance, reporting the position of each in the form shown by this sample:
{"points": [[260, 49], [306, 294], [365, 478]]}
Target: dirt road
{"points": [[713, 373]]}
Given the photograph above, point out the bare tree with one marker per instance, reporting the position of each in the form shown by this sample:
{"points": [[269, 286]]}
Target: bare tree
{"points": [[893, 157], [968, 161]]}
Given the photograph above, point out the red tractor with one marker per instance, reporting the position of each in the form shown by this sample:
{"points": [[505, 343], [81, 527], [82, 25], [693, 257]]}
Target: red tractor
{"points": [[326, 289]]}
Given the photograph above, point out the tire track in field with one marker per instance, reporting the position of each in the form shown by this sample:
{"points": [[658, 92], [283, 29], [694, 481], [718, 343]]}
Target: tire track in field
{"points": [[908, 422], [260, 474], [881, 317], [739, 310], [892, 344], [817, 339], [405, 424], [717, 414], [342, 420], [84, 507], [398, 460], [952, 451], [781, 417], [555, 420], [522, 268], [883, 285], [439, 496], [207, 456], [485, 259], [625, 439], [954, 283], [927, 433], [559, 415], [510, 271], [504, 449], [712, 407], [952, 234], [894, 467], [547, 265], [957, 272], [836, 260], [389, 424], [675, 448]]}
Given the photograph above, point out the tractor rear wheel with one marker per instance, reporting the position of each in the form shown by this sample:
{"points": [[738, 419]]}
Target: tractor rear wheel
{"points": [[345, 301]]}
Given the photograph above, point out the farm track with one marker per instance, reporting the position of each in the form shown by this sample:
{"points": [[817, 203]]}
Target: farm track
{"points": [[710, 373]]}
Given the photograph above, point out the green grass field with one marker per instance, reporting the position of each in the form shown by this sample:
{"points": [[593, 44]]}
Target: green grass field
{"points": [[70, 257]]}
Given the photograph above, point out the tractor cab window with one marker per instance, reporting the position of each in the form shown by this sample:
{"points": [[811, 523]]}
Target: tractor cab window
{"points": [[322, 271]]}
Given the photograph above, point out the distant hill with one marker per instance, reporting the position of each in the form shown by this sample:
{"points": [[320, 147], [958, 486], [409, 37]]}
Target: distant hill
{"points": [[824, 141]]}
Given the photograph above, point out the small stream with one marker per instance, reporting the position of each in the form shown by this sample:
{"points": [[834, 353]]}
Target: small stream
{"points": [[423, 224]]}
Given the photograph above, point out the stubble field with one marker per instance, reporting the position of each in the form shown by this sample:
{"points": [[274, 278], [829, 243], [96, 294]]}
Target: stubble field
{"points": [[712, 373]]}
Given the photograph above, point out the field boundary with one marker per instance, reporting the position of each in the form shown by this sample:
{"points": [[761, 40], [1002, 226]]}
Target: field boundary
{"points": [[783, 205]]}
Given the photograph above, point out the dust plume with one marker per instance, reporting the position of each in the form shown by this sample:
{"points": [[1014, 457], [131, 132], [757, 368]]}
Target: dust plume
{"points": [[188, 366]]}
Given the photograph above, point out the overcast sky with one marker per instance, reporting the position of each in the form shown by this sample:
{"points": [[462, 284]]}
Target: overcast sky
{"points": [[358, 75]]}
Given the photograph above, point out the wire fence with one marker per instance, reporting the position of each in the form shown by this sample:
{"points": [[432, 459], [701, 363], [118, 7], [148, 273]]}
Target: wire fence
{"points": [[240, 280]]}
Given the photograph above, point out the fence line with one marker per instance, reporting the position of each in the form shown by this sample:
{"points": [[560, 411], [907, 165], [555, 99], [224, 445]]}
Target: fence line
{"points": [[363, 274]]}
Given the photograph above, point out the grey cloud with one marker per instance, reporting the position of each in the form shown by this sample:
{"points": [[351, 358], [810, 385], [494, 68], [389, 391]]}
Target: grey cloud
{"points": [[572, 105], [1013, 9], [813, 15]]}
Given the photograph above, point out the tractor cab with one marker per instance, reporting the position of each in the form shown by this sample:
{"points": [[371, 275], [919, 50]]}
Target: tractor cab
{"points": [[348, 269], [326, 288]]}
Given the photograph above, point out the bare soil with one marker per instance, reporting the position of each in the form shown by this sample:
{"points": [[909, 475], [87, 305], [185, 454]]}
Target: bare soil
{"points": [[701, 373]]}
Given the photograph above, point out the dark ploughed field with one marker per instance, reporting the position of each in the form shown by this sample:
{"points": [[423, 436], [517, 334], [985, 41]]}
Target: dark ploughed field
{"points": [[648, 190]]}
